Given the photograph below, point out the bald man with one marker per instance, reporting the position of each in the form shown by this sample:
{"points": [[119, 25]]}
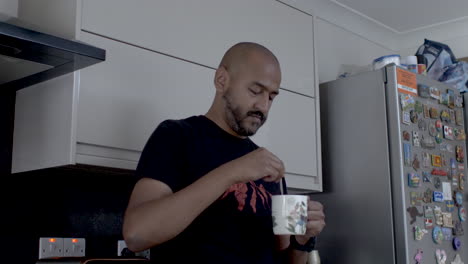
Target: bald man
{"points": [[204, 188]]}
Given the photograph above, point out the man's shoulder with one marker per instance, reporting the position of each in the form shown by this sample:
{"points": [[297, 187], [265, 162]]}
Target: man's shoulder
{"points": [[181, 123]]}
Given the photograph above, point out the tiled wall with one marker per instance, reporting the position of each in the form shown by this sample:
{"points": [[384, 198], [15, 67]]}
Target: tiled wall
{"points": [[74, 201]]}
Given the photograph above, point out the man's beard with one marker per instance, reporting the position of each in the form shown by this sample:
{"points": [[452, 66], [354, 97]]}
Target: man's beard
{"points": [[237, 120]]}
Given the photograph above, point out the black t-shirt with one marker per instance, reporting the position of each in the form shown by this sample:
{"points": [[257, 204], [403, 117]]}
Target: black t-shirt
{"points": [[236, 228]]}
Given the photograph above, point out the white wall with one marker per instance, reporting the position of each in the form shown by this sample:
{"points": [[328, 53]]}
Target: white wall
{"points": [[9, 7]]}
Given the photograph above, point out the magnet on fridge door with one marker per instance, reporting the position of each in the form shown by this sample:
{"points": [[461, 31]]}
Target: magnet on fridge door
{"points": [[458, 198], [426, 159], [416, 198], [427, 143], [407, 153], [437, 182], [438, 196], [414, 116], [447, 219], [434, 113], [450, 98], [445, 116], [427, 177], [416, 162], [459, 154], [459, 117], [438, 215], [458, 101], [428, 211], [406, 135], [424, 91], [448, 132], [428, 196], [435, 93], [419, 233], [437, 235], [436, 161], [422, 125], [450, 205], [414, 180], [418, 107], [432, 129], [456, 243], [452, 115], [406, 118], [426, 111], [416, 141], [413, 212], [428, 223], [458, 229], [447, 233], [462, 213], [444, 99], [438, 125], [406, 101]]}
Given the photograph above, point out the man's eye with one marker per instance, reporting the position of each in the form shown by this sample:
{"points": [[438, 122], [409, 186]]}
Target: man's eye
{"points": [[255, 91]]}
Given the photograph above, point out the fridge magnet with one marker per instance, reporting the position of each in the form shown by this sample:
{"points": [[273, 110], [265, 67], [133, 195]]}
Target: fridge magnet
{"points": [[413, 212], [435, 93], [438, 125], [407, 102], [456, 243], [461, 167], [406, 118], [438, 138], [443, 99], [428, 143], [443, 160], [452, 115], [426, 160], [458, 229], [457, 260], [438, 196], [420, 232], [406, 82], [447, 218], [450, 148], [455, 181], [428, 211], [447, 233], [445, 116], [439, 220], [450, 206], [437, 182], [424, 91], [453, 164], [459, 134], [426, 111], [437, 235], [414, 180], [450, 98], [407, 153], [436, 161], [439, 172], [434, 113], [428, 196], [459, 117], [418, 107], [458, 101], [461, 181], [432, 129], [462, 213], [428, 224], [416, 141], [416, 162], [447, 191], [427, 177], [419, 256], [458, 198], [459, 155], [406, 135], [416, 198], [422, 125], [448, 132], [414, 116]]}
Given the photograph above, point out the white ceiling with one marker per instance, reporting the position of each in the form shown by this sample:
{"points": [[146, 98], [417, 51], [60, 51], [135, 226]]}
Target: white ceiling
{"points": [[404, 16]]}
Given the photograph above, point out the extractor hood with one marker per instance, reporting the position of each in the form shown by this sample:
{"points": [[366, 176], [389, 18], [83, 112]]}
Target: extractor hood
{"points": [[28, 57]]}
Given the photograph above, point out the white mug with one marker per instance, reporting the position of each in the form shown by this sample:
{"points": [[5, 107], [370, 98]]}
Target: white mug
{"points": [[289, 214]]}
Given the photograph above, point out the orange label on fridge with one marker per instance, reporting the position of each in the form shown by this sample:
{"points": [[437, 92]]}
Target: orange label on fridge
{"points": [[406, 82]]}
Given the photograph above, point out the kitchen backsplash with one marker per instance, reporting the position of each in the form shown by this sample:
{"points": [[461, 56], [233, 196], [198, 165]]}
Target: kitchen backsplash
{"points": [[72, 201]]}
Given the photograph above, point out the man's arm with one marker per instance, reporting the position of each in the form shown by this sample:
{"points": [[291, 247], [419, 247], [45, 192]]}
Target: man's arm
{"points": [[155, 214]]}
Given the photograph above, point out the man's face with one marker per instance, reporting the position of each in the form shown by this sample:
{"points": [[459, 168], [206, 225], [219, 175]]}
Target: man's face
{"points": [[249, 97]]}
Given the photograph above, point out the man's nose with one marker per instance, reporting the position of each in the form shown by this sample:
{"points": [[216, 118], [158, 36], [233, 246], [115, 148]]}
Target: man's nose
{"points": [[263, 104]]}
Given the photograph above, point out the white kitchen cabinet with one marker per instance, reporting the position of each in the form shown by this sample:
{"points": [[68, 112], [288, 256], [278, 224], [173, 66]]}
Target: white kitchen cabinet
{"points": [[164, 68], [201, 31]]}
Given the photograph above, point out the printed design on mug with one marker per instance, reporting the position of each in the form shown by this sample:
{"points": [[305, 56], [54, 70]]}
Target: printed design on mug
{"points": [[240, 193], [297, 219]]}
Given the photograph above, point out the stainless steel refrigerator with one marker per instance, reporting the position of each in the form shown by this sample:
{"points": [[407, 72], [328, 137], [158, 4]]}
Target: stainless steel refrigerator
{"points": [[394, 168]]}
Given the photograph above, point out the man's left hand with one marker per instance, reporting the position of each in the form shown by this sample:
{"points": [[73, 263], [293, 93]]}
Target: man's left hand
{"points": [[315, 221]]}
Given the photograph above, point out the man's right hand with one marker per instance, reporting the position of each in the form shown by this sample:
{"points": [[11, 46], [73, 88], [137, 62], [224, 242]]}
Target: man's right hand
{"points": [[255, 165]]}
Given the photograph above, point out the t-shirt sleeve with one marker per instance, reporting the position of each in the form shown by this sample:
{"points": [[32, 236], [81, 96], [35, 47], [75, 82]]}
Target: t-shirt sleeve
{"points": [[163, 155]]}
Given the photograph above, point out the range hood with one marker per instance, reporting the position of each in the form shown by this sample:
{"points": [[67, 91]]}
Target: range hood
{"points": [[28, 57]]}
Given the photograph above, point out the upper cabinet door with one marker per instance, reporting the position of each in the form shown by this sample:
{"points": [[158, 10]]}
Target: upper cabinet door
{"points": [[123, 99], [201, 31]]}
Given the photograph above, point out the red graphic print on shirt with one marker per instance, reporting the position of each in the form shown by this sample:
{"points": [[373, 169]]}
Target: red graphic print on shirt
{"points": [[240, 192]]}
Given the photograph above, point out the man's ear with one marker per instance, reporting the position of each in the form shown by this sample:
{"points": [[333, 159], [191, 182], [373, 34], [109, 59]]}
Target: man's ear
{"points": [[221, 80]]}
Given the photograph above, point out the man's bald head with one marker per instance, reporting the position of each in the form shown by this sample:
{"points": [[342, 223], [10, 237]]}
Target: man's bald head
{"points": [[243, 53]]}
